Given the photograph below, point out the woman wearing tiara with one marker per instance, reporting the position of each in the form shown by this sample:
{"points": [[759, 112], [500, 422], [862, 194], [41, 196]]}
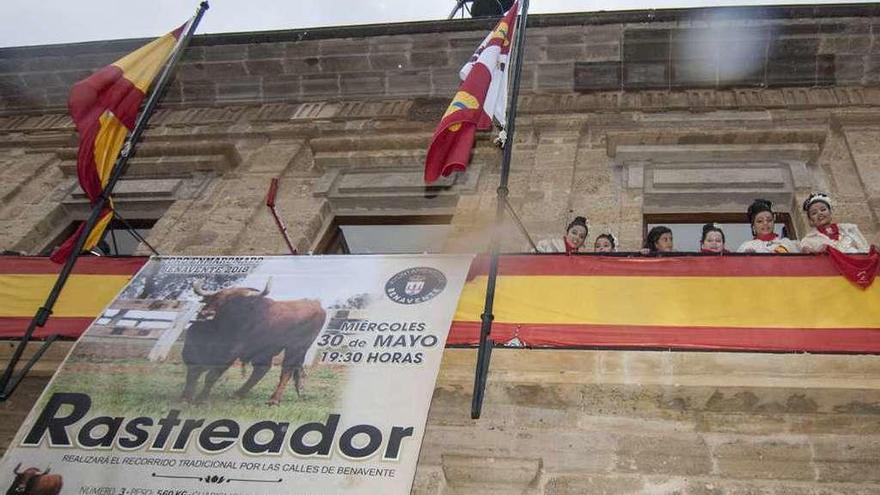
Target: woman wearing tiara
{"points": [[845, 237], [605, 243], [571, 242], [761, 217]]}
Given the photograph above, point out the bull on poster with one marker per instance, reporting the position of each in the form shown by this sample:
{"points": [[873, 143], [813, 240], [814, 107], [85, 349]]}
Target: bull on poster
{"points": [[228, 375]]}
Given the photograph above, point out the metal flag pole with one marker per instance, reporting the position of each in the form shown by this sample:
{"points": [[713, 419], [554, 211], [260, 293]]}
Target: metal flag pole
{"points": [[484, 353], [10, 381]]}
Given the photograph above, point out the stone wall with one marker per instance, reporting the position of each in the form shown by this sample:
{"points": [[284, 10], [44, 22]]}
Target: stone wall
{"points": [[622, 115]]}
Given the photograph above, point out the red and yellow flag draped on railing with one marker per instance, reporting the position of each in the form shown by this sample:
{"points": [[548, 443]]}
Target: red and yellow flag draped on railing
{"points": [[767, 303], [104, 108], [25, 281]]}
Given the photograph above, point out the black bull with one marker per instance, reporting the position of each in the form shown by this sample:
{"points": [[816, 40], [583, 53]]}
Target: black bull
{"points": [[33, 482], [242, 323]]}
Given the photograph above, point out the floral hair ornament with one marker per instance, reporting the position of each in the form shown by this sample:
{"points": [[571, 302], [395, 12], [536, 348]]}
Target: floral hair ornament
{"points": [[817, 197]]}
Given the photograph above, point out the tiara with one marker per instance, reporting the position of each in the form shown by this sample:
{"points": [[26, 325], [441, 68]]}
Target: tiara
{"points": [[814, 197]]}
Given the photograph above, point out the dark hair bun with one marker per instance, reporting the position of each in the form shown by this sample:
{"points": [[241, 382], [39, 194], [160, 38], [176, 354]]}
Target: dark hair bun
{"points": [[758, 206]]}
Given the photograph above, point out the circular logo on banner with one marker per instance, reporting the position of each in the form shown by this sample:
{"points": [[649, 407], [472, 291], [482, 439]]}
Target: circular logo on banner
{"points": [[415, 285]]}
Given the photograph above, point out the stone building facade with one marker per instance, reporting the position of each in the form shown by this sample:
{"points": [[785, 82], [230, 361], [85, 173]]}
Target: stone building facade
{"points": [[629, 117]]}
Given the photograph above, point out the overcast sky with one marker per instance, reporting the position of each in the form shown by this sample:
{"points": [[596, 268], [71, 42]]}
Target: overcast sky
{"points": [[38, 22]]}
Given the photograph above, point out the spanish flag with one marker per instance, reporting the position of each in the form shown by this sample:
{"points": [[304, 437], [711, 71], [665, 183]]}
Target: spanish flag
{"points": [[481, 96], [104, 108], [784, 303], [25, 282]]}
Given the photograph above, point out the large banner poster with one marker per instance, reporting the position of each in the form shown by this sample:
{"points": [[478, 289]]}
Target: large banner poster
{"points": [[233, 375]]}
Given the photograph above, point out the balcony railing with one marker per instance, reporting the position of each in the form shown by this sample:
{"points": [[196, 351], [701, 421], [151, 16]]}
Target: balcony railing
{"points": [[780, 303]]}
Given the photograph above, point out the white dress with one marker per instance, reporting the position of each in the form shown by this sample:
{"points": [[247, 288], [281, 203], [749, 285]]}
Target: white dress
{"points": [[851, 240], [780, 245], [552, 245]]}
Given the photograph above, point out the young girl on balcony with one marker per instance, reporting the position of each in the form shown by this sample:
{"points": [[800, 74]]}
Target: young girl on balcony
{"points": [[761, 217], [845, 237], [712, 241], [659, 240], [571, 242], [605, 243]]}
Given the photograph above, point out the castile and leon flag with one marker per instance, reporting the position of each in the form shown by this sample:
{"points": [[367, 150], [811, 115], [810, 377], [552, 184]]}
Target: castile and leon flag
{"points": [[481, 96], [104, 107]]}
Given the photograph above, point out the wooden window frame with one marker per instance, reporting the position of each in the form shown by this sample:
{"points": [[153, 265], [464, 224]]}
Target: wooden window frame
{"points": [[141, 223], [703, 218], [333, 241]]}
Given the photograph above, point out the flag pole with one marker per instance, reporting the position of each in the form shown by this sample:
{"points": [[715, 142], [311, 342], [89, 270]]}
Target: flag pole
{"points": [[10, 381], [484, 353]]}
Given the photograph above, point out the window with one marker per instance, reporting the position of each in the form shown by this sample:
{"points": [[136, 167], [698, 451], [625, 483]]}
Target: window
{"points": [[118, 240], [687, 228], [385, 235]]}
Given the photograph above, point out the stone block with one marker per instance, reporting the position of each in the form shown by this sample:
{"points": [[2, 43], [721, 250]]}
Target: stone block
{"points": [[849, 69], [595, 484], [198, 91], [826, 70], [565, 53], [267, 50], [314, 85], [601, 52], [845, 45], [741, 71], [242, 89], [797, 48], [435, 58], [681, 454], [654, 75], [301, 66], [389, 61], [791, 72], [757, 458], [268, 68], [509, 474], [558, 76], [281, 87], [362, 83], [225, 52], [211, 70], [646, 52], [344, 63], [694, 72], [408, 83], [340, 46], [850, 459]]}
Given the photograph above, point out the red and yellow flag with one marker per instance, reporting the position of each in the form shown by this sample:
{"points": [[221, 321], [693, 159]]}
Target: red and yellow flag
{"points": [[104, 108], [26, 281], [758, 303]]}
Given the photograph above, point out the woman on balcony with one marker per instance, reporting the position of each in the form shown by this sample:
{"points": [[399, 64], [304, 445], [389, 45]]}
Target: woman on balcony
{"points": [[845, 237], [659, 240], [761, 217], [712, 241], [605, 243], [571, 242]]}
